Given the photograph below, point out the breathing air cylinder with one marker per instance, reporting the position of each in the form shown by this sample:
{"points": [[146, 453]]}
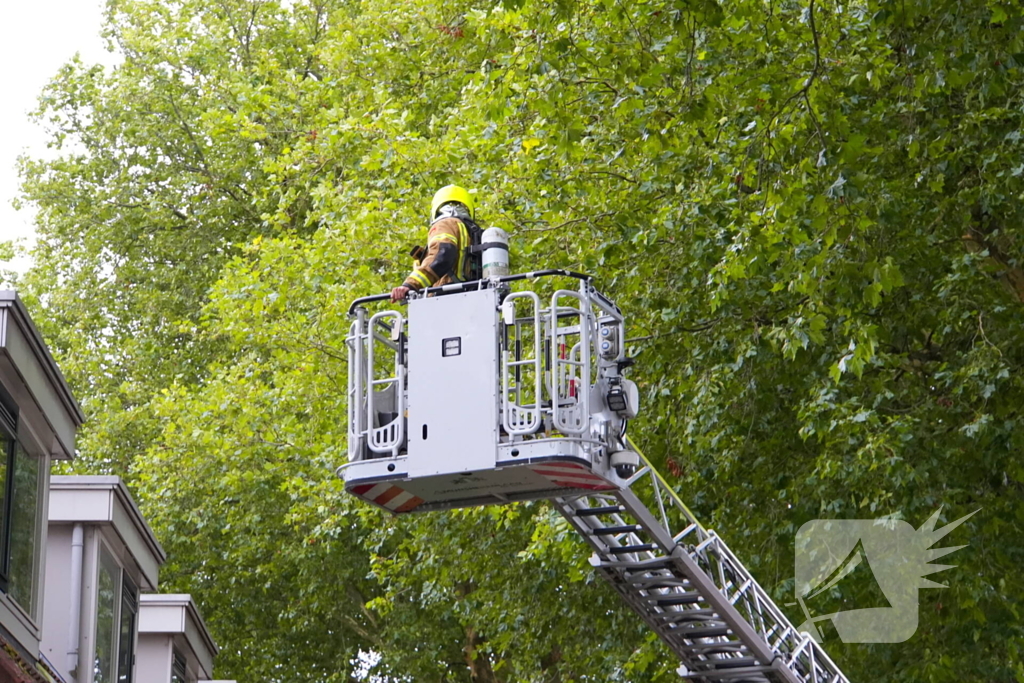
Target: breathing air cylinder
{"points": [[494, 242]]}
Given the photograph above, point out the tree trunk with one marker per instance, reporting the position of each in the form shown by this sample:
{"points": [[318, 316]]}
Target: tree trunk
{"points": [[980, 237], [479, 662]]}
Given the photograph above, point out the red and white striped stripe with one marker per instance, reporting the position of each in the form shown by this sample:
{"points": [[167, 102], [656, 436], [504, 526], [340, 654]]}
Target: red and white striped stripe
{"points": [[571, 475], [387, 496]]}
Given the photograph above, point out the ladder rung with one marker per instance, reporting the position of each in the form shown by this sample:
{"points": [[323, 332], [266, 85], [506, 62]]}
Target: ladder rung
{"points": [[625, 569], [606, 510], [672, 616], [742, 675], [639, 548], [653, 583], [729, 647], [616, 530], [702, 632], [644, 566], [665, 586], [731, 663], [677, 599], [689, 615]]}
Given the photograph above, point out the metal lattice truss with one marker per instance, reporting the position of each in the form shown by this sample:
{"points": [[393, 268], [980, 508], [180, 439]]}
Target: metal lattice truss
{"points": [[690, 588]]}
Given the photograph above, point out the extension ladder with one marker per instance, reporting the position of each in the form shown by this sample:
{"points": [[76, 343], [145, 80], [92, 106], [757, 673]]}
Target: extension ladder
{"points": [[690, 588]]}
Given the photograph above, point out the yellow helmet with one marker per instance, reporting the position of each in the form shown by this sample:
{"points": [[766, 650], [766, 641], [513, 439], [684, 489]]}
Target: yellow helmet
{"points": [[450, 193]]}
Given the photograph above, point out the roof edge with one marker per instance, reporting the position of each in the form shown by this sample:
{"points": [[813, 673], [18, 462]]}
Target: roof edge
{"points": [[9, 299], [184, 600], [70, 482]]}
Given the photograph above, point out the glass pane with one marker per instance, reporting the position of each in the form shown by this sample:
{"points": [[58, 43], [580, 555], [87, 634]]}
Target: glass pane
{"points": [[178, 669], [24, 528], [6, 446], [107, 599], [126, 634]]}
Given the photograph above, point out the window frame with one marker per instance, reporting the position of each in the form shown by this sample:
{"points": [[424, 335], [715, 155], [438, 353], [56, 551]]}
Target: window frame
{"points": [[179, 666], [129, 595], [9, 436], [123, 580], [20, 443], [40, 499], [115, 570]]}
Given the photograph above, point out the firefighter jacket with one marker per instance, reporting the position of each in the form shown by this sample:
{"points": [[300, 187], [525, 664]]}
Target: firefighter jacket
{"points": [[447, 258]]}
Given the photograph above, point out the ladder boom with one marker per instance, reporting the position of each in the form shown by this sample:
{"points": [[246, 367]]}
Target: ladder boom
{"points": [[690, 588]]}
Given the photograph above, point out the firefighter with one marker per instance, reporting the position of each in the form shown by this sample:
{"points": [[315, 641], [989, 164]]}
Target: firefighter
{"points": [[448, 256]]}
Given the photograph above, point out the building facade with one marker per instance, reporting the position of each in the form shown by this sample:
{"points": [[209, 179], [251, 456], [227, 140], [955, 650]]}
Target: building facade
{"points": [[101, 555], [79, 566], [104, 621], [39, 419], [174, 644]]}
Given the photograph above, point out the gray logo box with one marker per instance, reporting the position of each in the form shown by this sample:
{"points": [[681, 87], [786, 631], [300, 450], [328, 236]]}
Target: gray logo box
{"points": [[888, 556]]}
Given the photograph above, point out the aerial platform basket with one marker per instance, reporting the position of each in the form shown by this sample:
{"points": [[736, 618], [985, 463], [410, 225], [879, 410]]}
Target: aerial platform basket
{"points": [[488, 392]]}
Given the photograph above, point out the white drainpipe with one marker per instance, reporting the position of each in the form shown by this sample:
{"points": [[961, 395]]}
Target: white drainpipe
{"points": [[87, 617], [77, 543]]}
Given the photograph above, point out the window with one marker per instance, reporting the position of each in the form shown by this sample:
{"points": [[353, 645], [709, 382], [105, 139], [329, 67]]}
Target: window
{"points": [[22, 476], [117, 607], [6, 455], [106, 617], [126, 635], [25, 536], [178, 672]]}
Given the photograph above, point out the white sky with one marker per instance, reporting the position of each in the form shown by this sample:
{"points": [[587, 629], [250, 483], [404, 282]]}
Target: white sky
{"points": [[36, 38]]}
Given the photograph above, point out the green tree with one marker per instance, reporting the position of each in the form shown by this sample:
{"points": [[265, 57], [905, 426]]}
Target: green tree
{"points": [[809, 210]]}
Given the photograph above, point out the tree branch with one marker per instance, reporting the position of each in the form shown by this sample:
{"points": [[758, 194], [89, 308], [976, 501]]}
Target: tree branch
{"points": [[573, 221], [679, 330]]}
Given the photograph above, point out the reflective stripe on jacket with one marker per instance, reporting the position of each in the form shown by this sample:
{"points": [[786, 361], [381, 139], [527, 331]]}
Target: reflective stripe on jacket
{"points": [[447, 248]]}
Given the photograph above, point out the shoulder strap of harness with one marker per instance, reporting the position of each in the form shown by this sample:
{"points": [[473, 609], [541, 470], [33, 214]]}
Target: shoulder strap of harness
{"points": [[473, 252]]}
